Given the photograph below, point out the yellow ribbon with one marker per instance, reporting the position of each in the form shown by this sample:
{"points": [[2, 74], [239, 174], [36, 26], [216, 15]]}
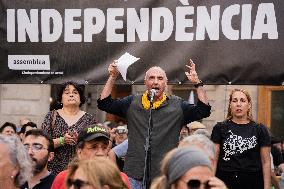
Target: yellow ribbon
{"points": [[146, 101]]}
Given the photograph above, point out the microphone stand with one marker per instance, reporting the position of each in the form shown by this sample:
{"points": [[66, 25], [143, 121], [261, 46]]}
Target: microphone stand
{"points": [[147, 147]]}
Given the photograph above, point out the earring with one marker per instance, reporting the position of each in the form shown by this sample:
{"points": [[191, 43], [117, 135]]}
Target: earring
{"points": [[12, 177]]}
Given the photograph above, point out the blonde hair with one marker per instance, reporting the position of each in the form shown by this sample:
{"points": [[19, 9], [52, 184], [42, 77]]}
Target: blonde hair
{"points": [[249, 113], [99, 171]]}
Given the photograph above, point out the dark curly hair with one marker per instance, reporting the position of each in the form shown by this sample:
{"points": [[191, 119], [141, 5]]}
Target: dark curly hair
{"points": [[80, 88], [8, 124]]}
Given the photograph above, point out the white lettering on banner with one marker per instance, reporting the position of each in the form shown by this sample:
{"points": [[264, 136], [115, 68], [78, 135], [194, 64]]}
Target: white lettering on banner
{"points": [[49, 16], [246, 22], [138, 24], [11, 25], [113, 24], [163, 25], [28, 25], [70, 25], [204, 22], [157, 15], [29, 62], [182, 23], [89, 27], [265, 12], [227, 17]]}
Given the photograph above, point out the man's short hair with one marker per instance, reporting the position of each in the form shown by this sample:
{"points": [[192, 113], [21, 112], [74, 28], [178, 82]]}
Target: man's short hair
{"points": [[202, 132], [196, 125], [155, 67], [204, 141], [38, 133], [29, 124]]}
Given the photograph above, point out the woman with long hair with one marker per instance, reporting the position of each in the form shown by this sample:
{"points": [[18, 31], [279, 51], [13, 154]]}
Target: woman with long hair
{"points": [[242, 146], [95, 173]]}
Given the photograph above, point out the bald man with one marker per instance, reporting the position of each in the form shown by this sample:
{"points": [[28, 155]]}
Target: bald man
{"points": [[169, 114]]}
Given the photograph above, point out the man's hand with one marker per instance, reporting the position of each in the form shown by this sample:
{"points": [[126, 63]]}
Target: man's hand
{"points": [[192, 74], [112, 69], [113, 73], [193, 77]]}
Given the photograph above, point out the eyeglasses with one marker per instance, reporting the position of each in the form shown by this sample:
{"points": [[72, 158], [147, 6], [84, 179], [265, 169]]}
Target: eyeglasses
{"points": [[195, 184], [77, 183], [35, 147]]}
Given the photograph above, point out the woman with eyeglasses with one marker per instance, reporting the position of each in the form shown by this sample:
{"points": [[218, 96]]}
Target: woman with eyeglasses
{"points": [[64, 124], [242, 146], [187, 168], [96, 173]]}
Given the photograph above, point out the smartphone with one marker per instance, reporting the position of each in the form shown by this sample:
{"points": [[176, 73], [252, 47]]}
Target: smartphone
{"points": [[71, 132]]}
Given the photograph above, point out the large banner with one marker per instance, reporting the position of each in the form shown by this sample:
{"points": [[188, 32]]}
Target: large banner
{"points": [[230, 41]]}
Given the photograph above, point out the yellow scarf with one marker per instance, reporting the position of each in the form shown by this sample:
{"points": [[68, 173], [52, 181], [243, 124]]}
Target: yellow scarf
{"points": [[146, 101]]}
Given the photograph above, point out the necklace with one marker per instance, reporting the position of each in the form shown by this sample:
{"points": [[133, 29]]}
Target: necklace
{"points": [[156, 104]]}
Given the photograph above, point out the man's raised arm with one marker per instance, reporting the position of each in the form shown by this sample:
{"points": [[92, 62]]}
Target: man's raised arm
{"points": [[113, 73], [193, 77]]}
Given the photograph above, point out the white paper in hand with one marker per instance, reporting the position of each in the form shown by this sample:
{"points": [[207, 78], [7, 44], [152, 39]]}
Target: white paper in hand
{"points": [[124, 62]]}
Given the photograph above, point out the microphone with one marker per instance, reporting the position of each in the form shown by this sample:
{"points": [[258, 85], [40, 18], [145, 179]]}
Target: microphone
{"points": [[152, 94]]}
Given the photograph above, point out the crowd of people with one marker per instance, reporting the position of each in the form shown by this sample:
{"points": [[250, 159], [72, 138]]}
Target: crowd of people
{"points": [[162, 145]]}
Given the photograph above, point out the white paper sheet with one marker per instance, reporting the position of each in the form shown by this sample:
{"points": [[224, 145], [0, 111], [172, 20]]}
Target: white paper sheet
{"points": [[124, 62]]}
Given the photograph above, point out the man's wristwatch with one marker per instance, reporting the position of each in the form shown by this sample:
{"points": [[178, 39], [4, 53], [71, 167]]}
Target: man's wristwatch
{"points": [[199, 84]]}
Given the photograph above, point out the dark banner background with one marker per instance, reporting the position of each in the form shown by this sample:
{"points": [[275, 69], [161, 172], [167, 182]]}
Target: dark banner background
{"points": [[221, 61]]}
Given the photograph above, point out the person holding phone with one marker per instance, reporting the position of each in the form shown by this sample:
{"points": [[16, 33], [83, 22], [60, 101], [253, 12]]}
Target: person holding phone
{"points": [[64, 124]]}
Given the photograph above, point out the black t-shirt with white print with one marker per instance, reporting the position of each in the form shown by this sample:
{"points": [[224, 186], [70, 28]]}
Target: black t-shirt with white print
{"points": [[240, 145]]}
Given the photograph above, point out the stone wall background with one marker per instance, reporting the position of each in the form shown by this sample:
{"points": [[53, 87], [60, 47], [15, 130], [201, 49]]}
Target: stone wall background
{"points": [[33, 100]]}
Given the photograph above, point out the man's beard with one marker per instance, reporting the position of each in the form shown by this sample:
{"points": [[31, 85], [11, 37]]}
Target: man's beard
{"points": [[39, 164]]}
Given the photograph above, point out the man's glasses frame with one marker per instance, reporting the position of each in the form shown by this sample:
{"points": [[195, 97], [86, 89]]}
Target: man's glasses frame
{"points": [[35, 147]]}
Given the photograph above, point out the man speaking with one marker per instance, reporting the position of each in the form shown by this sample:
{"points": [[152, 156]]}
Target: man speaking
{"points": [[167, 116]]}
